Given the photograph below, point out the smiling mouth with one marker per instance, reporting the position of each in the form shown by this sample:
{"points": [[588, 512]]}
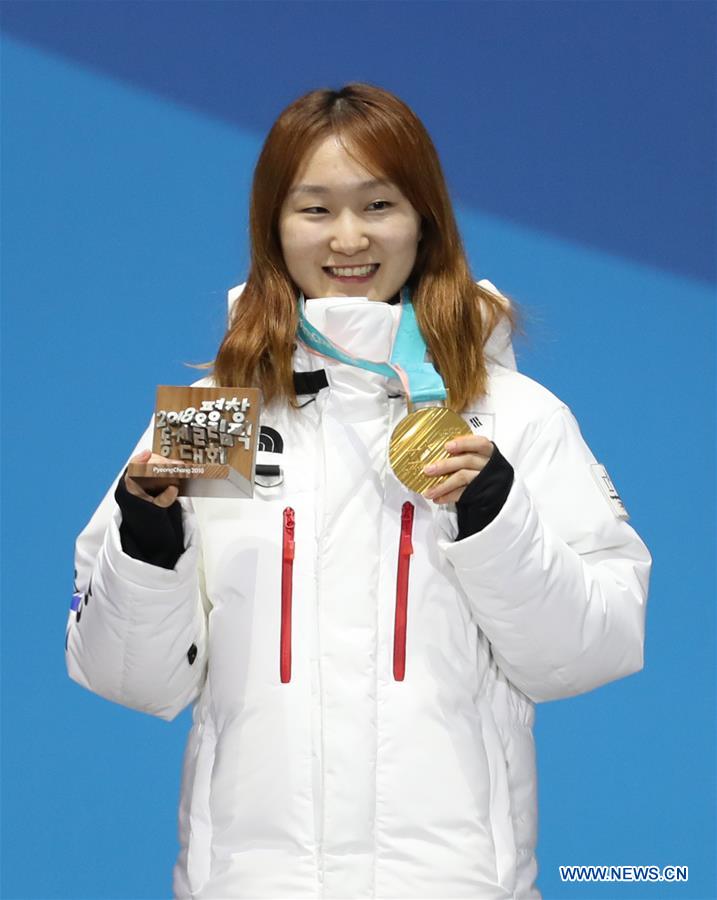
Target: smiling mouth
{"points": [[352, 271]]}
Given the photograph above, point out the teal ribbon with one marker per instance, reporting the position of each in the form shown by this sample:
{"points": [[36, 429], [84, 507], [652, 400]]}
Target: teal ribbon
{"points": [[408, 357]]}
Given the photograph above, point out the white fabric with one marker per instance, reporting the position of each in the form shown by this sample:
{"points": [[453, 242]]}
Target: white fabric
{"points": [[499, 347], [343, 782]]}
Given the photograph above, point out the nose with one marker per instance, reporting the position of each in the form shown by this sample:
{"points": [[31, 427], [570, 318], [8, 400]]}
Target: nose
{"points": [[349, 236]]}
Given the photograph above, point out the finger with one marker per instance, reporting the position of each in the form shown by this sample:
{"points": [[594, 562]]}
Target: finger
{"points": [[454, 463], [142, 457], [134, 488], [470, 443], [456, 482], [167, 497], [156, 459], [453, 497]]}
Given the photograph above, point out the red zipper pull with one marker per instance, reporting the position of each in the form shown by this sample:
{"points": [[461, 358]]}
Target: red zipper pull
{"points": [[289, 543], [288, 549], [406, 545], [405, 551]]}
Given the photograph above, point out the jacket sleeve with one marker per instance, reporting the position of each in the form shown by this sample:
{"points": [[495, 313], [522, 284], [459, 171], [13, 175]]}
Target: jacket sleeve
{"points": [[557, 581], [136, 634]]}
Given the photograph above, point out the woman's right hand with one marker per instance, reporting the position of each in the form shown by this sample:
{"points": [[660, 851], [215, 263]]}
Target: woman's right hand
{"points": [[167, 495]]}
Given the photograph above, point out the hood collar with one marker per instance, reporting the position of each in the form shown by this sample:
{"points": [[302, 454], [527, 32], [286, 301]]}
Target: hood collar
{"points": [[352, 319]]}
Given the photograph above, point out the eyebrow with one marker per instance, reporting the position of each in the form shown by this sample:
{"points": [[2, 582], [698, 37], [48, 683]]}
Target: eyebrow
{"points": [[322, 189]]}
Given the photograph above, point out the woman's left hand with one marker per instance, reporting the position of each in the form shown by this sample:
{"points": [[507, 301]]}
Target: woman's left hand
{"points": [[469, 456]]}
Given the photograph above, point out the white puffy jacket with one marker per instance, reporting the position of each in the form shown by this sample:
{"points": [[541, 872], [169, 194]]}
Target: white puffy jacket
{"points": [[317, 771]]}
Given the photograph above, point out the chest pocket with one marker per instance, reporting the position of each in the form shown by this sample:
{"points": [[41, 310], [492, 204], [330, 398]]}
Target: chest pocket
{"points": [[257, 554]]}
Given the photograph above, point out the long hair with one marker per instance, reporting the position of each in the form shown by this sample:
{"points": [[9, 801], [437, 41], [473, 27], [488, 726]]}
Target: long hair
{"points": [[455, 315]]}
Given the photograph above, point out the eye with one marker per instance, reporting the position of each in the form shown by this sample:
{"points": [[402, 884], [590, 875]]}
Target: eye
{"points": [[310, 209], [386, 204]]}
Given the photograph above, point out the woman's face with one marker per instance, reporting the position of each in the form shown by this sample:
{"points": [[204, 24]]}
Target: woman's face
{"points": [[343, 232]]}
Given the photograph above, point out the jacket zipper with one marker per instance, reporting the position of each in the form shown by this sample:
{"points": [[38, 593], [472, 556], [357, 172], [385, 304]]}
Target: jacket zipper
{"points": [[287, 571], [405, 551]]}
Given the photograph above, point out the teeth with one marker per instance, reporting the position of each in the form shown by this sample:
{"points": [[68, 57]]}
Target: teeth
{"points": [[354, 271]]}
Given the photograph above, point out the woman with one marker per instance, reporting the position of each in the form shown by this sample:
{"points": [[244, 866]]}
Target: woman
{"points": [[370, 733]]}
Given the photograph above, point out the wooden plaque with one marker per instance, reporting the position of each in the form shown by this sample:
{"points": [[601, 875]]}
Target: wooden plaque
{"points": [[208, 438]]}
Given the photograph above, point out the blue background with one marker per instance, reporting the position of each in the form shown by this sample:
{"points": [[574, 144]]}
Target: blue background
{"points": [[578, 140]]}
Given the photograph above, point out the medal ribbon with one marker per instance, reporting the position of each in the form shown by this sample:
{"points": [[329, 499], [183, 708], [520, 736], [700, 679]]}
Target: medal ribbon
{"points": [[420, 380]]}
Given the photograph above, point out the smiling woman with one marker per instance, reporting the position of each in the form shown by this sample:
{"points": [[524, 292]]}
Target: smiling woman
{"points": [[363, 238], [365, 639], [351, 178]]}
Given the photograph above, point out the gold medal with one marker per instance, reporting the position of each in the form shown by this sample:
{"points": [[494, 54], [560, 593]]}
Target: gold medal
{"points": [[419, 440]]}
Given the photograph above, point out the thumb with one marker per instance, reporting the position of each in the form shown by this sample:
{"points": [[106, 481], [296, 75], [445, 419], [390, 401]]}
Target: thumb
{"points": [[167, 497]]}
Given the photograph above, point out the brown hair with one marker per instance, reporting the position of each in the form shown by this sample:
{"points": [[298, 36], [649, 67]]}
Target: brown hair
{"points": [[455, 315]]}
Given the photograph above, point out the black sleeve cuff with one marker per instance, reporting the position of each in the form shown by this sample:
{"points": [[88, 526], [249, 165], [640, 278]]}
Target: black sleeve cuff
{"points": [[149, 533], [484, 497]]}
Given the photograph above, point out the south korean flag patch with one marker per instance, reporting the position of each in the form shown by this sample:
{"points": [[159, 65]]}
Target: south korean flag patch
{"points": [[481, 423], [609, 491]]}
